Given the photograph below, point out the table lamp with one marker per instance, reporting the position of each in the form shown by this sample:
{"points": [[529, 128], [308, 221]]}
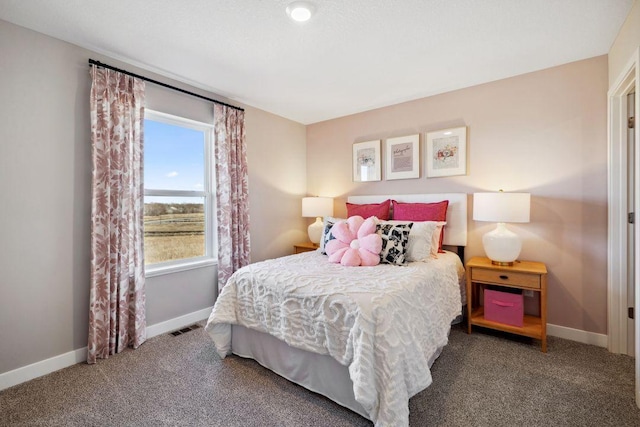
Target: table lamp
{"points": [[501, 245], [316, 207]]}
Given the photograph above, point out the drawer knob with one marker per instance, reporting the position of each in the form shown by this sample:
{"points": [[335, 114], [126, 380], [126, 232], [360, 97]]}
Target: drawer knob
{"points": [[504, 277]]}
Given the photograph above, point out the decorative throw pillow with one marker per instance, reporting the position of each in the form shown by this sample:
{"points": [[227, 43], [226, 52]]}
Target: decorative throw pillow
{"points": [[394, 242], [329, 222], [423, 239], [436, 238], [356, 242], [379, 210], [422, 212]]}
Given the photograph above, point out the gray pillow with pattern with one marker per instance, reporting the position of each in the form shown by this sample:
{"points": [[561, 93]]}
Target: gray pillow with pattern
{"points": [[395, 239]]}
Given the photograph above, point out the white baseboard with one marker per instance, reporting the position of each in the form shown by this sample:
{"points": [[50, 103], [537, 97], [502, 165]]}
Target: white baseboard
{"points": [[44, 367], [578, 335], [178, 322]]}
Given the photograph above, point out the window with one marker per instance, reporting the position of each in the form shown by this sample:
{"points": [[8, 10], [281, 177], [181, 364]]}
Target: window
{"points": [[179, 228]]}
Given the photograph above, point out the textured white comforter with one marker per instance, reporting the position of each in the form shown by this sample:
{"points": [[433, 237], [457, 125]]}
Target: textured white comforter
{"points": [[386, 323]]}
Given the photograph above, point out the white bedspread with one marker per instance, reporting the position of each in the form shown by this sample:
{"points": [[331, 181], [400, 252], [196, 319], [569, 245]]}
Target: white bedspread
{"points": [[386, 323]]}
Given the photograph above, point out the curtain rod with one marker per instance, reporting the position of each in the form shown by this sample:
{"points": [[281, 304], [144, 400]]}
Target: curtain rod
{"points": [[100, 64]]}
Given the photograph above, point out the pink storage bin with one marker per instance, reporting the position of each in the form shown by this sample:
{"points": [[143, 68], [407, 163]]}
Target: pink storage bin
{"points": [[503, 307]]}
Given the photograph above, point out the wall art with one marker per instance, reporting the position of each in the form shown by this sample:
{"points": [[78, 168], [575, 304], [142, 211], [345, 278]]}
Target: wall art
{"points": [[403, 157], [446, 152], [366, 161]]}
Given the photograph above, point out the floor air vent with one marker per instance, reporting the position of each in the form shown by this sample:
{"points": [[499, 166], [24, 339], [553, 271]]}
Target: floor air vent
{"points": [[184, 330]]}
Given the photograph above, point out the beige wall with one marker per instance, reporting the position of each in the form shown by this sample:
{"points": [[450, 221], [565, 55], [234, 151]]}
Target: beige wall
{"points": [[45, 184], [543, 133], [626, 44], [277, 183]]}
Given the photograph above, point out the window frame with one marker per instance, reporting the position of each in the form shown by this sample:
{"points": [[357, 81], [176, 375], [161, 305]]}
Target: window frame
{"points": [[208, 194]]}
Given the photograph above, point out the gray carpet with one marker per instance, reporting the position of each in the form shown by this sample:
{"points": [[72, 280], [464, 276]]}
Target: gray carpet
{"points": [[483, 379]]}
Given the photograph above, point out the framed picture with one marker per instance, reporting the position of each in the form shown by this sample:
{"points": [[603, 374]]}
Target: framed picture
{"points": [[403, 157], [447, 152], [366, 161]]}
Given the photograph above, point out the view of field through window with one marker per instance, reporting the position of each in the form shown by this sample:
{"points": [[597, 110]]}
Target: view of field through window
{"points": [[174, 202], [173, 231]]}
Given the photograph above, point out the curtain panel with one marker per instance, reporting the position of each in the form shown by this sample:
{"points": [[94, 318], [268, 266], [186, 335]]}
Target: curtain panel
{"points": [[232, 192], [117, 298]]}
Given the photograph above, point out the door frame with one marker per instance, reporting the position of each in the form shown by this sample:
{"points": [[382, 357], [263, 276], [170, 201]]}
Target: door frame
{"points": [[617, 209]]}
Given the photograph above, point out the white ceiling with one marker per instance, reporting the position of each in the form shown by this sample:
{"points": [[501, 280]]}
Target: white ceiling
{"points": [[352, 56]]}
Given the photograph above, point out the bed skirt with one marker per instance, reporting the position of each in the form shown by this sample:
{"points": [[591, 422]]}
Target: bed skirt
{"points": [[319, 373]]}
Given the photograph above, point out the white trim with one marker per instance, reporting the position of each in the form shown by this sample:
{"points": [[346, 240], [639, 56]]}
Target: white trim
{"points": [[207, 194], [617, 207], [174, 193], [44, 367], [47, 366], [577, 335], [163, 268], [636, 284], [617, 254], [178, 322], [159, 116]]}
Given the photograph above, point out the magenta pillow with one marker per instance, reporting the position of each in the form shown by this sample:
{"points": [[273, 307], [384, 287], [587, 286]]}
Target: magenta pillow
{"points": [[422, 212], [381, 210]]}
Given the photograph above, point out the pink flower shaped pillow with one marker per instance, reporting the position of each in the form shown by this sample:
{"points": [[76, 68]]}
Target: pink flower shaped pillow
{"points": [[356, 242]]}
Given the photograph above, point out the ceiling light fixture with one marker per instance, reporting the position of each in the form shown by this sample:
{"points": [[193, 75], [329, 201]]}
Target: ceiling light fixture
{"points": [[300, 11]]}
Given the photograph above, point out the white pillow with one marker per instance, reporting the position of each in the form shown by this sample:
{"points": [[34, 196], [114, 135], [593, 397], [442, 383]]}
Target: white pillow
{"points": [[435, 238], [424, 239]]}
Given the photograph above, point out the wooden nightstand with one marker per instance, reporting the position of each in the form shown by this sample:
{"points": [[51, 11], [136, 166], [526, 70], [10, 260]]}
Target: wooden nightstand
{"points": [[525, 275], [304, 247]]}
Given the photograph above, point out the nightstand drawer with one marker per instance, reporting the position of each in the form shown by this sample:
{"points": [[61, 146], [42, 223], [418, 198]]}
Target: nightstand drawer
{"points": [[506, 278]]}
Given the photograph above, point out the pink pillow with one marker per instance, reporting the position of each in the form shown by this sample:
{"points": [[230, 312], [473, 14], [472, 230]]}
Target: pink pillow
{"points": [[422, 212], [380, 210], [356, 242]]}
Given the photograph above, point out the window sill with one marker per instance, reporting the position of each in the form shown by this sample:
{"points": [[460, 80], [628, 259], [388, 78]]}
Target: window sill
{"points": [[176, 268]]}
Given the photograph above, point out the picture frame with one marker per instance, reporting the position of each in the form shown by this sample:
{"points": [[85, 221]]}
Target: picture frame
{"points": [[366, 161], [402, 158], [446, 152]]}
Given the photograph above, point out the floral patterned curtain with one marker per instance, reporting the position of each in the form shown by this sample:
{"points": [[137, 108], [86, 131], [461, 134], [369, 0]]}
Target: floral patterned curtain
{"points": [[117, 299], [232, 192]]}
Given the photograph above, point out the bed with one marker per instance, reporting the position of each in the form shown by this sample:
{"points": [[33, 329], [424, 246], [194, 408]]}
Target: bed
{"points": [[364, 337]]}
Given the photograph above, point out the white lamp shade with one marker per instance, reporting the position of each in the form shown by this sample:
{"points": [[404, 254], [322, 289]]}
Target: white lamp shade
{"points": [[501, 207], [316, 207], [501, 245]]}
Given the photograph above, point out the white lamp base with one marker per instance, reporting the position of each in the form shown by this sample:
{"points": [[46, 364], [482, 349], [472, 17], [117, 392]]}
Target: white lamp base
{"points": [[501, 245], [315, 230]]}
